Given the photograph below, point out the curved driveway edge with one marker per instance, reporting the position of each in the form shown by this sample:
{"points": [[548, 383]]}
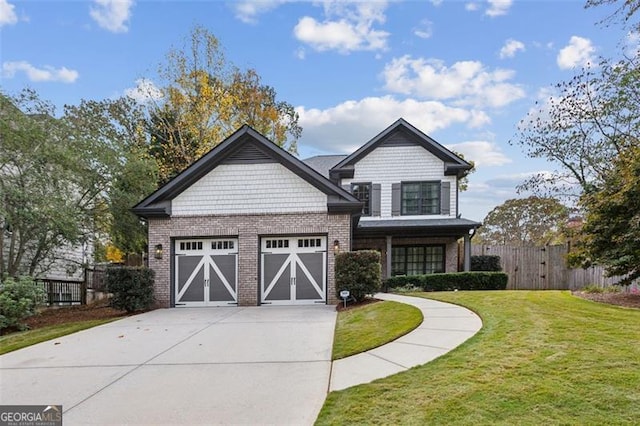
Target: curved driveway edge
{"points": [[445, 326]]}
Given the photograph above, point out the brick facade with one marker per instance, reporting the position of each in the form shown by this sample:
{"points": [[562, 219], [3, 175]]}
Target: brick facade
{"points": [[380, 244], [248, 229]]}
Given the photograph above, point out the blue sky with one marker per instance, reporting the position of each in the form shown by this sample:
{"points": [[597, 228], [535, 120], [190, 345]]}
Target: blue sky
{"points": [[464, 72]]}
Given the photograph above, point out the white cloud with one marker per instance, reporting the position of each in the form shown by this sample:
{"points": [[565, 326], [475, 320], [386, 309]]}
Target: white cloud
{"points": [[483, 196], [248, 10], [112, 15], [7, 14], [471, 6], [47, 73], [348, 27], [464, 82], [498, 7], [424, 30], [579, 52], [359, 121], [144, 91], [510, 48], [436, 3], [483, 153]]}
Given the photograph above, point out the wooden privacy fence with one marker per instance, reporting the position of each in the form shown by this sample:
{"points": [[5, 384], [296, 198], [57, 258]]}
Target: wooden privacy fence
{"points": [[543, 268]]}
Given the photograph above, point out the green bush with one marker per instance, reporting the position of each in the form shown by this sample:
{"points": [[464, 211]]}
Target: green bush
{"points": [[132, 288], [452, 281], [18, 300], [359, 272], [596, 289], [486, 263]]}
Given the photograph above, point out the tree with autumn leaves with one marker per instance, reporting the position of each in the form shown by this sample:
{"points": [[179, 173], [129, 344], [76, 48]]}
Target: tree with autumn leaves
{"points": [[204, 99]]}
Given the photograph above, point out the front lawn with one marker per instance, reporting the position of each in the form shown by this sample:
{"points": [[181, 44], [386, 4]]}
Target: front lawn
{"points": [[15, 341], [369, 326], [540, 358]]}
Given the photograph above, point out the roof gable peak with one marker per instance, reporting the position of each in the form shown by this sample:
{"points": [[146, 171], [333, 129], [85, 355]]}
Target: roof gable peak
{"points": [[402, 133]]}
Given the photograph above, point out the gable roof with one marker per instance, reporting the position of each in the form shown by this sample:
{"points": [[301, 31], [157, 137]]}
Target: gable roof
{"points": [[246, 145], [409, 135]]}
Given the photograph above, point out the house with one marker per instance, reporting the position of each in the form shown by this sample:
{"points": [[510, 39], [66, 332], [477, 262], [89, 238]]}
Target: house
{"points": [[250, 224]]}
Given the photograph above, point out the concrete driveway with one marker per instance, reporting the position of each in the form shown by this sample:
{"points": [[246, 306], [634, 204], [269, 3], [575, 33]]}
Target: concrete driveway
{"points": [[258, 365]]}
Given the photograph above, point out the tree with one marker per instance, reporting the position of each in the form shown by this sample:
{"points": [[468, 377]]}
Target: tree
{"points": [[532, 221], [611, 232], [50, 181], [61, 178], [118, 127], [204, 99], [625, 11], [463, 181], [582, 130]]}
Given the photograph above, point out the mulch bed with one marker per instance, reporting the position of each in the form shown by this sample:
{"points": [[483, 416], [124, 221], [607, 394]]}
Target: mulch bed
{"points": [[353, 305], [627, 300], [68, 314]]}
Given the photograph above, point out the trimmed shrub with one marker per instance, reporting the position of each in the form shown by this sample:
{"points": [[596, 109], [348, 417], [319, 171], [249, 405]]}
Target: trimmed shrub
{"points": [[18, 300], [486, 263], [132, 287], [359, 272], [452, 281]]}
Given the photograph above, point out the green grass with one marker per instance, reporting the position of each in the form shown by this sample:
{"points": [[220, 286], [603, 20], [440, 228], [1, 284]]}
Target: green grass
{"points": [[541, 358], [15, 341], [369, 326]]}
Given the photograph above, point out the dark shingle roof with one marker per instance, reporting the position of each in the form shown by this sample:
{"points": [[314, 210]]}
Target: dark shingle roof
{"points": [[323, 163]]}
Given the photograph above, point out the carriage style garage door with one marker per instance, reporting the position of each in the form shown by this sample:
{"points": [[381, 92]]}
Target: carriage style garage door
{"points": [[206, 272], [293, 270]]}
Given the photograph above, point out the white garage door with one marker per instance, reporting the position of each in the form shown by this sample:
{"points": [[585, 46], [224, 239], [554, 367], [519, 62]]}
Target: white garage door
{"points": [[206, 272], [293, 270]]}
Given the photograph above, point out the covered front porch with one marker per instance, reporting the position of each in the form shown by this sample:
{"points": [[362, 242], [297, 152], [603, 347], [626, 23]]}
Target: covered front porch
{"points": [[417, 246]]}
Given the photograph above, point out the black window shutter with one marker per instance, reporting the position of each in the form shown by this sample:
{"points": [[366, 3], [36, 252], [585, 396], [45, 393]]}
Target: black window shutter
{"points": [[445, 198], [395, 199], [375, 199]]}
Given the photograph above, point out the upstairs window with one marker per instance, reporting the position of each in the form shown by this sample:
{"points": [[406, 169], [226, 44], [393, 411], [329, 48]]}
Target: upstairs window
{"points": [[420, 198], [362, 191]]}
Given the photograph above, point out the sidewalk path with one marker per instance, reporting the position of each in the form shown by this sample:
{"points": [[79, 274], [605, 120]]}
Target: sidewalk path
{"points": [[445, 326]]}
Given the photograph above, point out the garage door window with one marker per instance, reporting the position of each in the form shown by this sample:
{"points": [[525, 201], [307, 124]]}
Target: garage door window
{"points": [[191, 245]]}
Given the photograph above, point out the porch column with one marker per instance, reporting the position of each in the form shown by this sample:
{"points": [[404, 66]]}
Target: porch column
{"points": [[388, 256], [467, 252]]}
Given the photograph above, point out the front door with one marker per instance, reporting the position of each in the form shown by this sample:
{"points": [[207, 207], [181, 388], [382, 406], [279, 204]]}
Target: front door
{"points": [[293, 270], [206, 272]]}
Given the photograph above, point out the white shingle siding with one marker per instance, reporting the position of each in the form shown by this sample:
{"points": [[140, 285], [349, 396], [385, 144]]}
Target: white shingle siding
{"points": [[395, 164], [249, 189]]}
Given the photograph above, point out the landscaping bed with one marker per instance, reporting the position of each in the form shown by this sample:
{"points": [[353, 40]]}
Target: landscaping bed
{"points": [[627, 300], [69, 314]]}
